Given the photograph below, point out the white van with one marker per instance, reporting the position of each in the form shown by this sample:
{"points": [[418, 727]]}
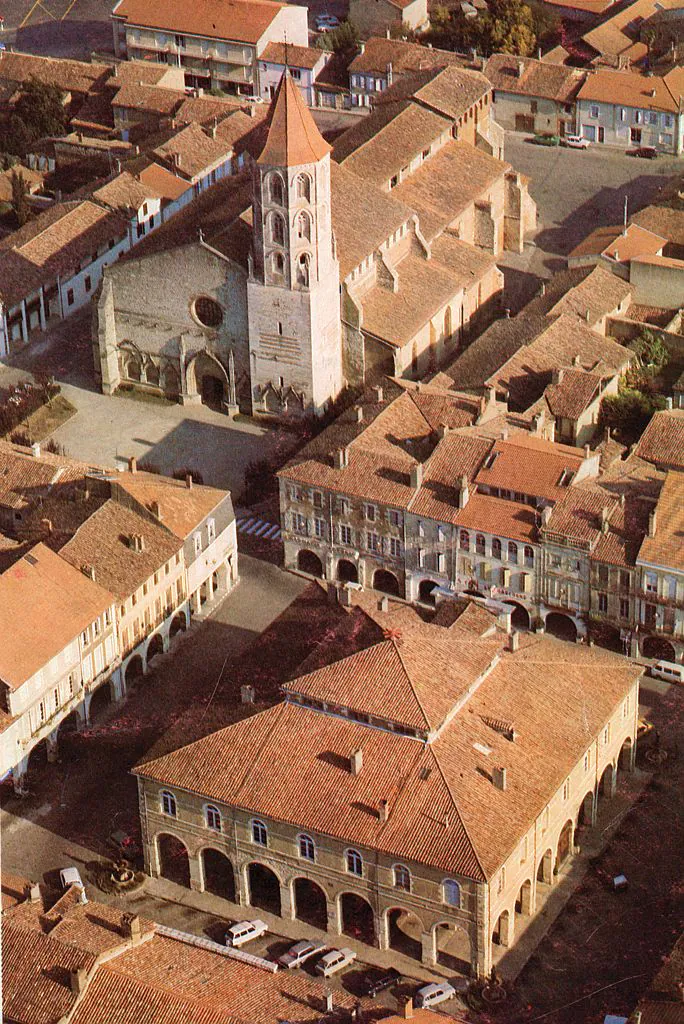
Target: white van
{"points": [[668, 670], [437, 992], [245, 931]]}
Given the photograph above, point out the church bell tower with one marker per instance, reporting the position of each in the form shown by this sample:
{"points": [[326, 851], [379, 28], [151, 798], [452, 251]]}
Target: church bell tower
{"points": [[293, 289]]}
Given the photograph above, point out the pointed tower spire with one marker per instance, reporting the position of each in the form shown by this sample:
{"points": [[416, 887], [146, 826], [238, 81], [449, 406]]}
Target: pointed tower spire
{"points": [[293, 138]]}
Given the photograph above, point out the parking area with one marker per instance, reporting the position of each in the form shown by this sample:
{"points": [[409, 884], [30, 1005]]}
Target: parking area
{"points": [[58, 28]]}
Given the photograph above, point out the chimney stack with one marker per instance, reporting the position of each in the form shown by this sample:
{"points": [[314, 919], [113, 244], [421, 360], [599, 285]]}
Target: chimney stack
{"points": [[652, 518], [35, 450], [329, 1002], [247, 694], [78, 980], [499, 778], [383, 604], [668, 403], [344, 597], [587, 451], [132, 464], [358, 413], [463, 492], [89, 571], [379, 396], [341, 458], [131, 927], [34, 894], [605, 517], [356, 761], [442, 431], [156, 510], [417, 476], [188, 481], [407, 1008], [515, 641], [504, 619], [384, 810]]}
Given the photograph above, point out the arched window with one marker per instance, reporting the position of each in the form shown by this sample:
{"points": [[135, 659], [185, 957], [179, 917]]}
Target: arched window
{"points": [[168, 804], [277, 229], [354, 862], [529, 555], [452, 892], [303, 270], [213, 817], [275, 189], [402, 878], [496, 548], [307, 850], [479, 544], [259, 832], [512, 551], [464, 540], [278, 263], [304, 227], [304, 187]]}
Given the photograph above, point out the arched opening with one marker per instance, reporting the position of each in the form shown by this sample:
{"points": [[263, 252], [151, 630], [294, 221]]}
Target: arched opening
{"points": [[501, 935], [520, 619], [174, 862], [605, 635], [37, 758], [134, 670], [386, 581], [564, 848], [264, 888], [69, 725], [309, 562], [561, 626], [132, 367], [426, 591], [310, 903], [152, 374], [171, 381], [347, 571], [625, 760], [100, 701], [586, 811], [452, 947], [659, 648], [277, 229], [545, 869], [523, 904], [275, 189], [304, 187], [447, 323], [178, 625], [303, 269], [357, 918], [212, 392], [155, 647], [207, 378], [404, 932], [219, 877], [303, 226], [607, 783]]}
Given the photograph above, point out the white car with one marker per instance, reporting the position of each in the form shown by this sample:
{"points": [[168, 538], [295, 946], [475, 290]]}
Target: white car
{"points": [[300, 953], [72, 876], [576, 142], [437, 992], [334, 961], [245, 931]]}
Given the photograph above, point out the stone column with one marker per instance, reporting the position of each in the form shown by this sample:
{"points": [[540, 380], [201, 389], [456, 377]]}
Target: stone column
{"points": [[152, 858], [52, 747], [19, 776], [118, 686], [382, 930], [196, 876], [287, 907], [428, 945], [240, 888], [334, 925]]}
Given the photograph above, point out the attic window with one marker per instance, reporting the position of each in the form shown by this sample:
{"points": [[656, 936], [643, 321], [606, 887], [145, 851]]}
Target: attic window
{"points": [[482, 749], [207, 311], [565, 478], [490, 460]]}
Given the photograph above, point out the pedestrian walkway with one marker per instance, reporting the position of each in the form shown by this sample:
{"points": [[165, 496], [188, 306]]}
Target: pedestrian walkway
{"points": [[253, 526]]}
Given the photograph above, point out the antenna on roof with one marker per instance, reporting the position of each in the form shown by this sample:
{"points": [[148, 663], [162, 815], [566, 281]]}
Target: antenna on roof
{"points": [[624, 218], [286, 65]]}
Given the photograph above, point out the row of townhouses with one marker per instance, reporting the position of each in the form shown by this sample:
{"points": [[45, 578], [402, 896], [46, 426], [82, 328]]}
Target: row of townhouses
{"points": [[421, 490], [102, 570]]}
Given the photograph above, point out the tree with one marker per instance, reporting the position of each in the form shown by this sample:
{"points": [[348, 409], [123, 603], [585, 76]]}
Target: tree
{"points": [[20, 205], [38, 112], [651, 351], [629, 412], [341, 39], [512, 29], [507, 27]]}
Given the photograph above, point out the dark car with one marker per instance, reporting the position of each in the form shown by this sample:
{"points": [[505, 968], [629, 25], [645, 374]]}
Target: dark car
{"points": [[379, 982], [546, 140], [646, 152]]}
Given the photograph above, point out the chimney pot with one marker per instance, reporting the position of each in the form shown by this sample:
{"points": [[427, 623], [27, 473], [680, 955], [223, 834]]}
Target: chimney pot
{"points": [[345, 597], [442, 430], [463, 492], [329, 1002], [384, 810], [515, 641], [587, 451], [356, 761], [34, 894], [499, 778], [131, 926], [359, 413], [188, 481], [156, 510], [35, 450], [78, 979], [383, 604], [132, 464], [378, 393], [668, 402], [341, 458], [417, 476], [652, 523]]}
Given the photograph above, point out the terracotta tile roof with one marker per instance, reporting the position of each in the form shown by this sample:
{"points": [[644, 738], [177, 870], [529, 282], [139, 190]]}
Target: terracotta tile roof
{"points": [[182, 509], [654, 315], [662, 442], [660, 261], [205, 109], [405, 135], [629, 89], [24, 478], [595, 7], [378, 52], [244, 21], [354, 202], [597, 295], [57, 602], [163, 182], [293, 138], [294, 56], [190, 152], [149, 98], [73, 76], [528, 77], [244, 132], [103, 542], [486, 354], [573, 394], [436, 792], [35, 976], [665, 548], [125, 193], [33, 179], [130, 1000], [530, 465], [566, 340], [14, 890], [665, 221], [54, 244], [451, 90], [446, 184], [619, 244], [615, 35]]}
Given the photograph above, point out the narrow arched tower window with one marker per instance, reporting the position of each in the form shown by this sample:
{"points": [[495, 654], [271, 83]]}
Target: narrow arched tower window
{"points": [[304, 226], [277, 229], [303, 270], [275, 189], [303, 187]]}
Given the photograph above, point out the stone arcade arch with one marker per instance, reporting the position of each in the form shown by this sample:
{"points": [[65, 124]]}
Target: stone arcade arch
{"points": [[356, 915], [309, 562], [520, 619], [174, 862], [310, 903], [545, 868], [155, 647], [219, 877], [387, 582], [564, 845], [404, 932], [206, 376], [452, 946], [426, 591], [502, 935], [658, 647], [264, 888], [523, 904], [134, 670], [100, 701], [347, 572], [585, 816], [179, 624], [561, 626]]}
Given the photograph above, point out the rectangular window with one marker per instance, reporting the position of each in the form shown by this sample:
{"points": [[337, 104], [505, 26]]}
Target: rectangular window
{"points": [[373, 542], [441, 562], [395, 547], [41, 711], [566, 789], [624, 608], [198, 544], [594, 111], [606, 735], [651, 583], [421, 558], [371, 512], [346, 536], [502, 881], [299, 523], [317, 499], [587, 761], [294, 494], [625, 708], [319, 527], [70, 297], [88, 283], [603, 573], [55, 695], [70, 685], [211, 532], [85, 637], [394, 517], [603, 602], [625, 580], [343, 505]]}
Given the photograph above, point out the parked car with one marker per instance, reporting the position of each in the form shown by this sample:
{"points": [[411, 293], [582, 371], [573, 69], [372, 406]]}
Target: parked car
{"points": [[668, 670], [646, 152], [437, 992], [300, 953], [245, 931], [327, 22], [72, 876], [546, 140], [334, 961], [372, 987], [576, 142]]}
